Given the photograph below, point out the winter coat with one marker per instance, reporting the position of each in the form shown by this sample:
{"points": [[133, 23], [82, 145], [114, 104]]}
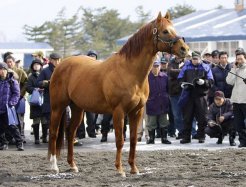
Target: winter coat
{"points": [[226, 110], [157, 102], [239, 87], [35, 111], [190, 73], [45, 74], [174, 87], [9, 92], [220, 83], [22, 79]]}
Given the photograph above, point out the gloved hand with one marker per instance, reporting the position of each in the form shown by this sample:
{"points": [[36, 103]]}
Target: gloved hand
{"points": [[244, 80], [46, 83], [200, 81], [211, 123]]}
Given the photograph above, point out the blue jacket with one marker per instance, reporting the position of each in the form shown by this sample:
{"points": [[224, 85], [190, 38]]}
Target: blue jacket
{"points": [[45, 74], [190, 73], [157, 102], [9, 92], [220, 75]]}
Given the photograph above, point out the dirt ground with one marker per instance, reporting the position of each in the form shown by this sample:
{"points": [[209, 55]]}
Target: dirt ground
{"points": [[157, 168]]}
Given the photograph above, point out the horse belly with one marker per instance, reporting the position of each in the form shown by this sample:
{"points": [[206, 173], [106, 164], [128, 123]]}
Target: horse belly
{"points": [[91, 103]]}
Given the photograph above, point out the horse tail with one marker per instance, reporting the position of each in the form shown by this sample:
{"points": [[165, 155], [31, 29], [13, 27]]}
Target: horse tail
{"points": [[60, 137]]}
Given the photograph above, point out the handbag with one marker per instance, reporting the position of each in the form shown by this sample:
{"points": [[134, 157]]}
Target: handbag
{"points": [[36, 98], [12, 116], [21, 106]]}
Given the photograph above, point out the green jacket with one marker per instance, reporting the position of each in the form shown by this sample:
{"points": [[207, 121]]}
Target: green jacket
{"points": [[22, 80]]}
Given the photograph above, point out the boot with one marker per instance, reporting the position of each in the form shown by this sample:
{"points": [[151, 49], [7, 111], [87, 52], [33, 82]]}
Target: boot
{"points": [[232, 140], [151, 137], [4, 147], [164, 139], [77, 143], [20, 147], [36, 133], [220, 140], [104, 137], [179, 136], [45, 132], [158, 133]]}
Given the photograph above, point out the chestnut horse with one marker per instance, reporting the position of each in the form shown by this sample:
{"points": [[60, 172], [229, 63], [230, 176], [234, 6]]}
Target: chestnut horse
{"points": [[119, 85]]}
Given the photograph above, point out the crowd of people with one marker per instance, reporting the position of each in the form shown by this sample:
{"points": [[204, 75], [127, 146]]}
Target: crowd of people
{"points": [[197, 96], [189, 98]]}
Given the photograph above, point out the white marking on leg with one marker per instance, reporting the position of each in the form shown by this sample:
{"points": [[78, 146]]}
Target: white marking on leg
{"points": [[75, 169], [53, 161]]}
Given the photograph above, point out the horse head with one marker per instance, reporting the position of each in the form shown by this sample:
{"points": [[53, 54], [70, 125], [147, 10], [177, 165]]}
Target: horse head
{"points": [[166, 38]]}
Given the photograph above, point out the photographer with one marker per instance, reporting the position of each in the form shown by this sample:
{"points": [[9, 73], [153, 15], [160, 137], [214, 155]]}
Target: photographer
{"points": [[236, 78], [220, 119]]}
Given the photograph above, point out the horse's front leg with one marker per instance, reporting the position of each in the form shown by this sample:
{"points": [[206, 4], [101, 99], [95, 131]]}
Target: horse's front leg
{"points": [[118, 120], [134, 122]]}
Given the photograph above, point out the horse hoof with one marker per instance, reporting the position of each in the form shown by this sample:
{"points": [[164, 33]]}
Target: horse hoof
{"points": [[75, 169], [123, 174], [55, 170], [135, 172]]}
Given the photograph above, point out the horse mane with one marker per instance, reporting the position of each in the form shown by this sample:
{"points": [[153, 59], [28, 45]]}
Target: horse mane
{"points": [[135, 44]]}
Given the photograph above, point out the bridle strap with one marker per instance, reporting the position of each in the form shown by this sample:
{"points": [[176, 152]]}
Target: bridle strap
{"points": [[170, 42]]}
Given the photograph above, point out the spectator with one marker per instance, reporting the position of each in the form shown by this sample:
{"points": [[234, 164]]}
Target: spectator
{"points": [[215, 57], [238, 97], [220, 73], [199, 75], [220, 119], [35, 111], [174, 90], [207, 57], [157, 104], [10, 94], [22, 80]]}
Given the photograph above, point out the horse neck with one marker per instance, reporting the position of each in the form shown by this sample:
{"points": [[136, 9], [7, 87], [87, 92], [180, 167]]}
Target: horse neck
{"points": [[141, 65]]}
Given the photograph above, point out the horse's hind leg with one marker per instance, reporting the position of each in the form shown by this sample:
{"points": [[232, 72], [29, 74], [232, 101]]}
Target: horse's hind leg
{"points": [[55, 120], [77, 114], [134, 120], [118, 120]]}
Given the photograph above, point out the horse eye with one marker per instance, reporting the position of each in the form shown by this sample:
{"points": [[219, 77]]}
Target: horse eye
{"points": [[165, 32]]}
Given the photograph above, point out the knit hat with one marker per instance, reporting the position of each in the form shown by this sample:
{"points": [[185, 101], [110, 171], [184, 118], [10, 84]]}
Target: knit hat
{"points": [[35, 61], [219, 94], [3, 65]]}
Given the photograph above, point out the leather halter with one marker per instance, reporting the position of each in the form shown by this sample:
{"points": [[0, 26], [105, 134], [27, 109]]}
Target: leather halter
{"points": [[170, 42]]}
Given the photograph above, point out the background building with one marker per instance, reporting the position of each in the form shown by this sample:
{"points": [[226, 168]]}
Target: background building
{"points": [[207, 30], [23, 51]]}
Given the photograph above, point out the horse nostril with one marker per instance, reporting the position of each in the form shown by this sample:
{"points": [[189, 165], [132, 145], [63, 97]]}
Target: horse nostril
{"points": [[182, 48]]}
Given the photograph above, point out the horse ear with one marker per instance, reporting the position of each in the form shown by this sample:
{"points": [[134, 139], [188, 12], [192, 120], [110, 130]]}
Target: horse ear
{"points": [[168, 16], [159, 17]]}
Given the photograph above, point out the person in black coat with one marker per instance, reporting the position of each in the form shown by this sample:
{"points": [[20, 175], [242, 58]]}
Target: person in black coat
{"points": [[35, 111], [220, 119], [220, 73]]}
